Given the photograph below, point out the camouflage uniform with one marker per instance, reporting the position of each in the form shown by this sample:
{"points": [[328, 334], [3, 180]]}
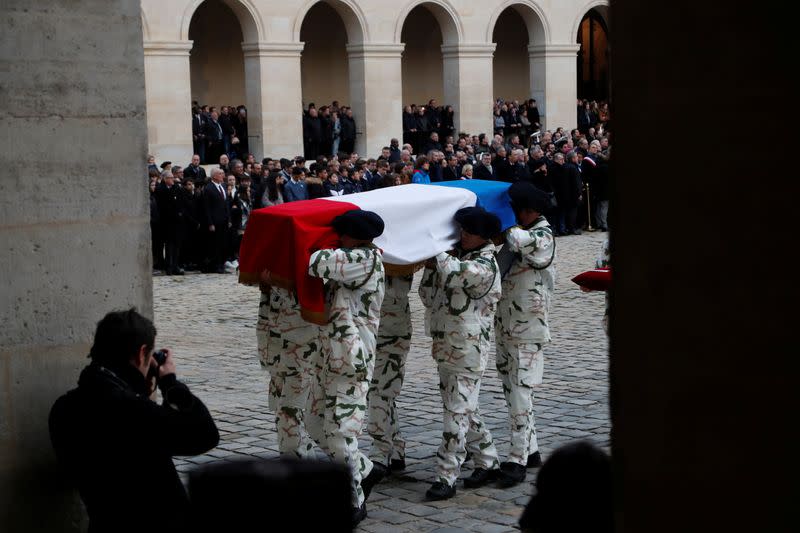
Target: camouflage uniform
{"points": [[290, 348], [354, 289], [604, 261], [460, 295], [521, 329], [394, 341]]}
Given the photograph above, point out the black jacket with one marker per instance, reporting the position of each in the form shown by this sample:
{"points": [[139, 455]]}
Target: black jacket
{"points": [[170, 207], [572, 186], [409, 122], [197, 174], [117, 445], [215, 207], [451, 173], [348, 125], [312, 129], [482, 173]]}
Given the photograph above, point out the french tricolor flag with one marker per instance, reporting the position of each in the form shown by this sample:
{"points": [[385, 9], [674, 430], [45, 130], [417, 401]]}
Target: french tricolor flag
{"points": [[418, 225]]}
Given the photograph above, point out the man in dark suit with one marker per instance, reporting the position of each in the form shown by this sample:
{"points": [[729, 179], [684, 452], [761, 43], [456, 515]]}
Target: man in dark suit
{"points": [[195, 172], [394, 149], [348, 133], [226, 122], [573, 185], [519, 170], [485, 171], [452, 171], [218, 220], [312, 134], [214, 136], [170, 208], [199, 133]]}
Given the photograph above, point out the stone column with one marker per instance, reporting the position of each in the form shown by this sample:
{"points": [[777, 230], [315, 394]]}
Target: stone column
{"points": [[74, 224], [376, 93], [466, 69], [274, 98], [169, 100], [554, 83]]}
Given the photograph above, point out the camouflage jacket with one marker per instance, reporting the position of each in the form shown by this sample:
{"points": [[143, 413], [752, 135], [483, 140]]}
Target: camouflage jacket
{"points": [[528, 284], [460, 296], [354, 291], [395, 311]]}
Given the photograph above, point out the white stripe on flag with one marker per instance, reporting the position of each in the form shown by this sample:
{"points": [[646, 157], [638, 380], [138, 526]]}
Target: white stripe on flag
{"points": [[418, 219]]}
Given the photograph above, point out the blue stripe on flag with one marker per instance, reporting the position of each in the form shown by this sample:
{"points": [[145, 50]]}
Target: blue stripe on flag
{"points": [[492, 196]]}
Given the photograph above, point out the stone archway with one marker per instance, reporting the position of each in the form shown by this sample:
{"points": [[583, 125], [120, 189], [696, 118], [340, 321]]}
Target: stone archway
{"points": [[521, 32], [330, 31], [593, 57]]}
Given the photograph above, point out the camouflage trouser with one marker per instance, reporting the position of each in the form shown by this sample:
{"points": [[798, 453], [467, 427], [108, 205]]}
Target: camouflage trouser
{"points": [[263, 327], [463, 429], [387, 381], [315, 406], [292, 436], [337, 407], [289, 388], [520, 366]]}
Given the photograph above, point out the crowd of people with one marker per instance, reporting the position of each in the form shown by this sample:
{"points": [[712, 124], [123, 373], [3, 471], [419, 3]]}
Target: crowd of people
{"points": [[219, 131], [198, 217]]}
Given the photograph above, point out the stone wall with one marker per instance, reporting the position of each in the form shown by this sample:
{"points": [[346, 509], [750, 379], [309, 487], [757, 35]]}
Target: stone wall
{"points": [[74, 226]]}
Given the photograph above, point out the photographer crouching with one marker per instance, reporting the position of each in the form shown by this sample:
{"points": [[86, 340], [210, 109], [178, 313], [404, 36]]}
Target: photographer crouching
{"points": [[117, 444]]}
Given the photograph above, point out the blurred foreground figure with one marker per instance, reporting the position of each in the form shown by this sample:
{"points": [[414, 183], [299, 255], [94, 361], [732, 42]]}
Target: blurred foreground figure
{"points": [[259, 495], [573, 493]]}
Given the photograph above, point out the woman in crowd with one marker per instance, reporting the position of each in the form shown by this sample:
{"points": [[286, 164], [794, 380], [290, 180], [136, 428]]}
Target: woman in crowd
{"points": [[466, 172], [273, 192]]}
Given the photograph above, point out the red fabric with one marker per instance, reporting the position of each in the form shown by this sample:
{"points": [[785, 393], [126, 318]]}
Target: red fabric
{"points": [[598, 279], [282, 238]]}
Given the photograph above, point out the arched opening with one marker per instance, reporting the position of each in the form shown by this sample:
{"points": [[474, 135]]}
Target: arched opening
{"points": [[511, 65], [422, 65], [216, 62], [593, 80], [324, 63]]}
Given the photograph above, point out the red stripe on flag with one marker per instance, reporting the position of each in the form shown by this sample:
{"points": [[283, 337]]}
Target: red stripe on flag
{"points": [[282, 238]]}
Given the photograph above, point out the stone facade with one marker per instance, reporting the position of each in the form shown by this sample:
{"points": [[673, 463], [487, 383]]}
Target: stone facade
{"points": [[370, 72], [74, 223]]}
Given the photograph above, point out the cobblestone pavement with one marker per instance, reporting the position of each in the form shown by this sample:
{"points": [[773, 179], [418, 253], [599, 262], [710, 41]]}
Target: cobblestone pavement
{"points": [[209, 320]]}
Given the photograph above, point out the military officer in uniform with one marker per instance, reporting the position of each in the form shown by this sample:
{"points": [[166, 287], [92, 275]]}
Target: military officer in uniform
{"points": [[394, 341], [521, 323], [354, 280], [460, 293]]}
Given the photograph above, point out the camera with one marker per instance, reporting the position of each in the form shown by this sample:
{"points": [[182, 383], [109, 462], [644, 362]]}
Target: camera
{"points": [[161, 357]]}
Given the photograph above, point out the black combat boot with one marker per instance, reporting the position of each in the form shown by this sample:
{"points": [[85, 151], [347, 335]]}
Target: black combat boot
{"points": [[534, 460], [440, 491], [375, 476], [480, 477], [359, 514], [397, 465], [511, 474]]}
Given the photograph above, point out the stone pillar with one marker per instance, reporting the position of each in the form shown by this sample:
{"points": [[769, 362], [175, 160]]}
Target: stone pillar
{"points": [[466, 69], [274, 98], [74, 224], [169, 100], [554, 83], [376, 93]]}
